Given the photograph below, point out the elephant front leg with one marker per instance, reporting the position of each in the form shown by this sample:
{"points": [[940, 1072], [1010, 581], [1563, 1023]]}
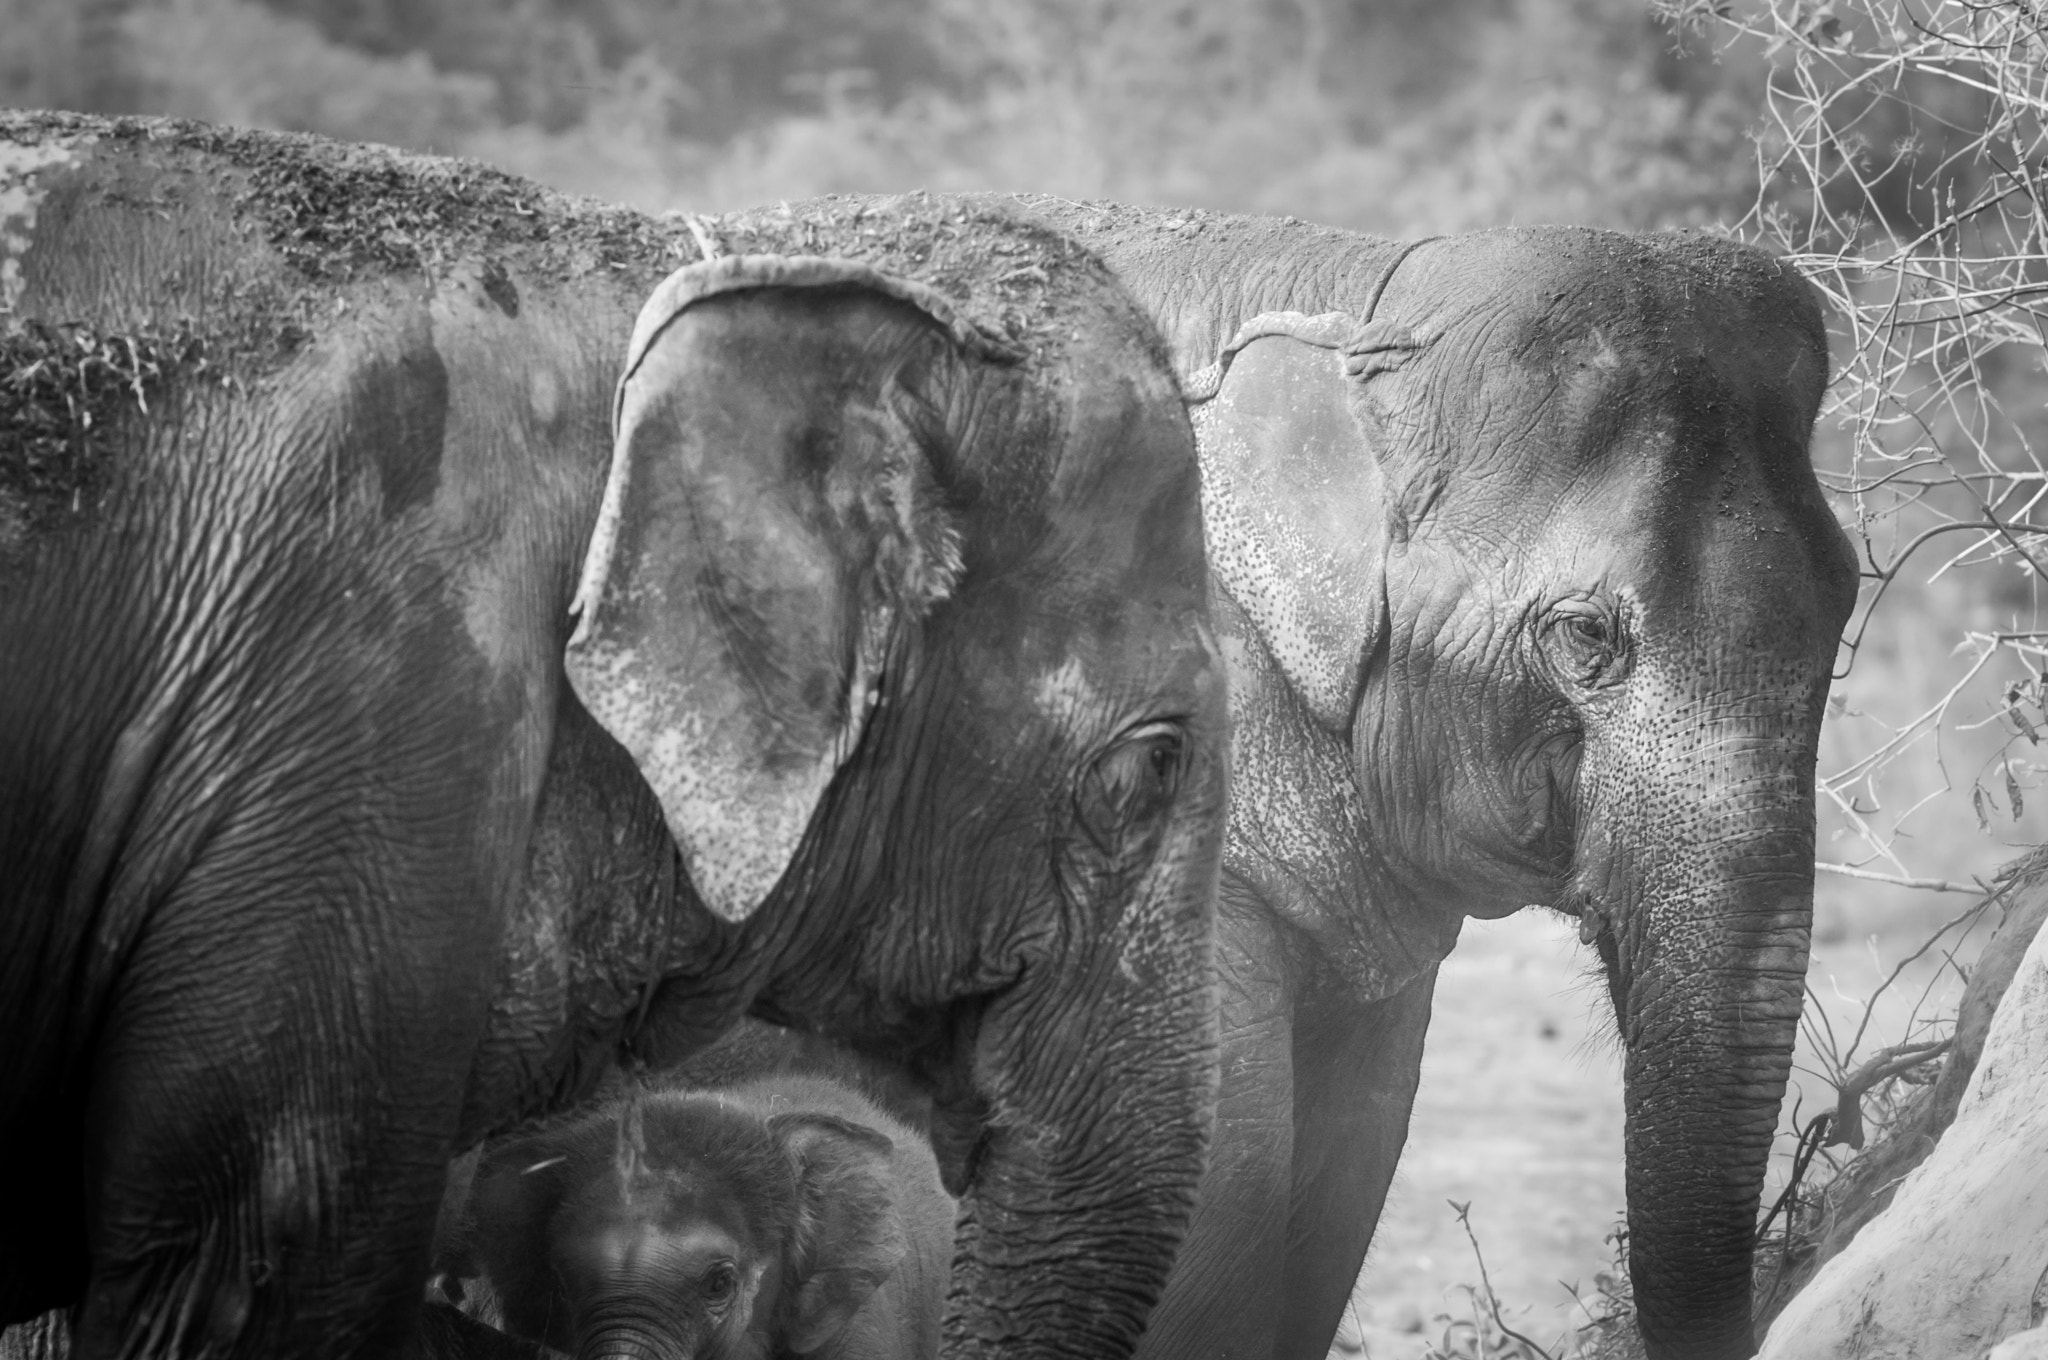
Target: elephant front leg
{"points": [[1223, 1298], [230, 1223], [1356, 1069], [270, 1115]]}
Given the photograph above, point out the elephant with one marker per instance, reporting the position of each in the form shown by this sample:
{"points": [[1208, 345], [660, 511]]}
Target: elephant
{"points": [[387, 751], [1528, 595], [788, 1215]]}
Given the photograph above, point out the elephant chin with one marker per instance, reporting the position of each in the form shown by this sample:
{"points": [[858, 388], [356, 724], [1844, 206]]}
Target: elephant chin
{"points": [[1081, 1181]]}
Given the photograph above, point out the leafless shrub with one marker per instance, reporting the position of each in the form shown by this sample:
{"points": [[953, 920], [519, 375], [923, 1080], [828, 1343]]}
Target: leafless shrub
{"points": [[1900, 162], [1484, 1333]]}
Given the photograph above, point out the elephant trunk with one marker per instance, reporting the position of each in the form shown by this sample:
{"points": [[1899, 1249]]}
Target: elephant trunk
{"points": [[1095, 1132], [634, 1341], [1706, 952], [635, 1324]]}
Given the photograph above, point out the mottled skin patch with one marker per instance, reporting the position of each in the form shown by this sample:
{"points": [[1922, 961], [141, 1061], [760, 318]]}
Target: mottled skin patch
{"points": [[21, 167], [1064, 693], [1292, 554]]}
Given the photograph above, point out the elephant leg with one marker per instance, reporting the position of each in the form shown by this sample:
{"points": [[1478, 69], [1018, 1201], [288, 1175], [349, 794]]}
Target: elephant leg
{"points": [[266, 1204], [275, 1087], [1223, 1296], [1355, 1073], [274, 1202]]}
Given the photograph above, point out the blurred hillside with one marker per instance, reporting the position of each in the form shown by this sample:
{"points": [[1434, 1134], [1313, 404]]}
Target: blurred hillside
{"points": [[1393, 115], [1398, 116]]}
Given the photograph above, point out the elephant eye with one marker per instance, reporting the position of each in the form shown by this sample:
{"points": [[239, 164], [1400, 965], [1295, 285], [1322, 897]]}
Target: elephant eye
{"points": [[1589, 630], [1586, 642], [1133, 783], [720, 1281]]}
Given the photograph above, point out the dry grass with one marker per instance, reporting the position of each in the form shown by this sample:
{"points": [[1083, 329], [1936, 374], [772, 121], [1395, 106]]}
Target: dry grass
{"points": [[1485, 1332]]}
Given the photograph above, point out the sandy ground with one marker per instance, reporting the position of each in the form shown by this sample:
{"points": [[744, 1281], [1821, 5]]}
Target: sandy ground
{"points": [[1519, 1114]]}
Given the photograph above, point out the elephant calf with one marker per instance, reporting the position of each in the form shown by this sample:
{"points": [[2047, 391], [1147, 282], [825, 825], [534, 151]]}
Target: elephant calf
{"points": [[789, 1215]]}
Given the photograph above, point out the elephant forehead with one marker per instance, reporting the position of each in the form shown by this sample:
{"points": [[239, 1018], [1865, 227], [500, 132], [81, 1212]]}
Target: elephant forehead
{"points": [[1572, 299], [653, 1250], [1591, 410], [25, 171]]}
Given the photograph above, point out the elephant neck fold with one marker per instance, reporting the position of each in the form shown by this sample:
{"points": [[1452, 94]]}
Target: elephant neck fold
{"points": [[1301, 839]]}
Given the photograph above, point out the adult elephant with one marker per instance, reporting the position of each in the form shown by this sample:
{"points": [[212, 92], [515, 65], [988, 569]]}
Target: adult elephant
{"points": [[1528, 595], [892, 710]]}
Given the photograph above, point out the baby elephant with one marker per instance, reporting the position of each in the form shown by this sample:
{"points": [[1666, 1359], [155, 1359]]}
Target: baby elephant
{"points": [[786, 1216]]}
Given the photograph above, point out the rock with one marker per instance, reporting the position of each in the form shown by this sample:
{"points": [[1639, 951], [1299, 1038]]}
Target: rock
{"points": [[2031, 1344], [1953, 1265], [1405, 1317]]}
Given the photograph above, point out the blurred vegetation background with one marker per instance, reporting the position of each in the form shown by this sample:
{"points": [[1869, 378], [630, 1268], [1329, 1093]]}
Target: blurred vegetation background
{"points": [[1890, 146], [1389, 115], [1394, 116]]}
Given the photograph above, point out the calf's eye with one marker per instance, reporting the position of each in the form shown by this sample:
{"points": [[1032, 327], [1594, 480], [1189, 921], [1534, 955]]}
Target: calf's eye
{"points": [[720, 1281]]}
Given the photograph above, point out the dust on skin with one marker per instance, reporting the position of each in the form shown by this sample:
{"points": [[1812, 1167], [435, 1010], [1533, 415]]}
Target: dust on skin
{"points": [[334, 217], [338, 213]]}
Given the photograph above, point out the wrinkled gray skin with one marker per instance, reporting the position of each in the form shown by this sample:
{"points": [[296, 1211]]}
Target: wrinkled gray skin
{"points": [[1529, 596], [786, 1215], [316, 863]]}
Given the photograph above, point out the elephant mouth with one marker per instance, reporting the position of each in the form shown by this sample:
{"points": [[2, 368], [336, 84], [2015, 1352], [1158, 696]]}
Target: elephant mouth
{"points": [[959, 1134], [1544, 841], [1554, 833], [1597, 927], [1543, 849]]}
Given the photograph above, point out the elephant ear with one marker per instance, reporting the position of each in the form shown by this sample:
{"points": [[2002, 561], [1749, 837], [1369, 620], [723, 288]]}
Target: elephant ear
{"points": [[770, 520], [1294, 501], [510, 1204], [849, 1236]]}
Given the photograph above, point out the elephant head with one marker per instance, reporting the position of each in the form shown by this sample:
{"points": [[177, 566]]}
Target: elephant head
{"points": [[1529, 595], [895, 626], [681, 1225], [1610, 598], [901, 613]]}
